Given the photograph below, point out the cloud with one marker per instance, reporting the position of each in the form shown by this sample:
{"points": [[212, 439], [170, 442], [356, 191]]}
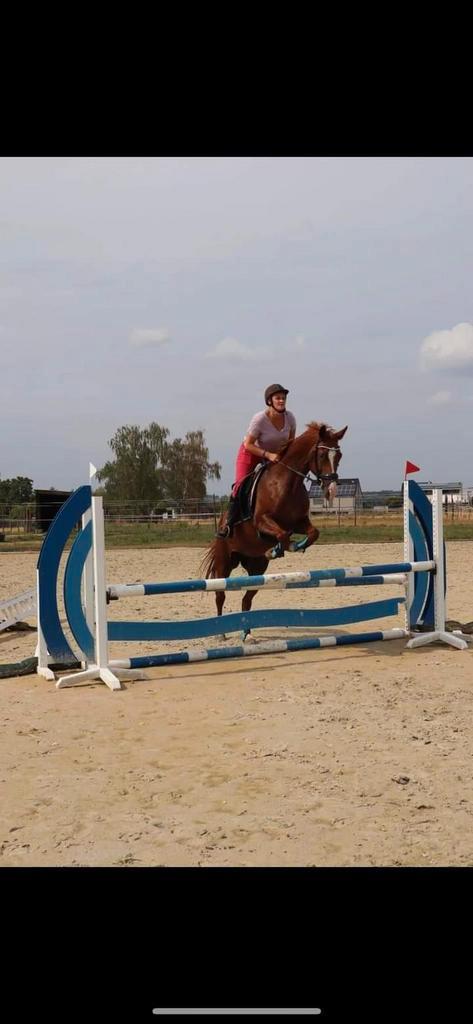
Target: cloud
{"points": [[296, 344], [149, 336], [448, 350], [440, 398], [230, 348]]}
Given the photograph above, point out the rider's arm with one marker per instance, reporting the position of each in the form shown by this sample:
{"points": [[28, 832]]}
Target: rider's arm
{"points": [[251, 444]]}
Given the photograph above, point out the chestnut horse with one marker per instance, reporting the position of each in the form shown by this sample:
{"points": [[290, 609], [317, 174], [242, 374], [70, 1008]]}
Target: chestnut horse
{"points": [[281, 508]]}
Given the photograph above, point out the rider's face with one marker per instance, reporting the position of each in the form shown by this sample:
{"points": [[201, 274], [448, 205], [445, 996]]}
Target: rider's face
{"points": [[278, 401]]}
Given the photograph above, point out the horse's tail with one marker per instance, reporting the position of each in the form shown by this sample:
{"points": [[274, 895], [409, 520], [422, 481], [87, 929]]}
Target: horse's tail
{"points": [[207, 567]]}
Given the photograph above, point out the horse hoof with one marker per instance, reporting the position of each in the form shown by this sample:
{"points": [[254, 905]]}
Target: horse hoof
{"points": [[299, 545], [276, 552]]}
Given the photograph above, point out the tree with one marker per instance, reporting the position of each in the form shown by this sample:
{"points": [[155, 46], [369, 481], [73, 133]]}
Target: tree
{"points": [[135, 474], [15, 492], [187, 467], [148, 468]]}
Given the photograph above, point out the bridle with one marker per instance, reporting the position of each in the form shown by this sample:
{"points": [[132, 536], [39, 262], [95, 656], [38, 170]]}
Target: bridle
{"points": [[326, 478], [322, 478]]}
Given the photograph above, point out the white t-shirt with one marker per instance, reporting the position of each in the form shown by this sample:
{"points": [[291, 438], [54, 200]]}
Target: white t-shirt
{"points": [[267, 435]]}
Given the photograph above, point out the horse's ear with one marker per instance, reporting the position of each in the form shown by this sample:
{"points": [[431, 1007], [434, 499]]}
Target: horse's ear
{"points": [[336, 435]]}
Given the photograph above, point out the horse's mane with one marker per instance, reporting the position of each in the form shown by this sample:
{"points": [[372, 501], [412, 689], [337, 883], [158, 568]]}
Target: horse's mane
{"points": [[300, 441]]}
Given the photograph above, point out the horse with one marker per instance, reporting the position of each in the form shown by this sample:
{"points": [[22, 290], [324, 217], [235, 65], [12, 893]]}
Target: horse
{"points": [[281, 509]]}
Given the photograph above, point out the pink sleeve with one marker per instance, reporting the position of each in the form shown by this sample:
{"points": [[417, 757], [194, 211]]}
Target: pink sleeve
{"points": [[292, 420]]}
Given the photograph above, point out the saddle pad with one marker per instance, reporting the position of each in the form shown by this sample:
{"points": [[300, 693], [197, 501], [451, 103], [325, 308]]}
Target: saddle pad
{"points": [[246, 493]]}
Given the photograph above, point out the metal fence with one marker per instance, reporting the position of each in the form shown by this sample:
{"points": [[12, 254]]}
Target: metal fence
{"points": [[195, 511], [24, 520]]}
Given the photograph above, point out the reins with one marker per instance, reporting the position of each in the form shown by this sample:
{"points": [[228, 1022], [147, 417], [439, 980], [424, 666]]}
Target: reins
{"points": [[320, 477]]}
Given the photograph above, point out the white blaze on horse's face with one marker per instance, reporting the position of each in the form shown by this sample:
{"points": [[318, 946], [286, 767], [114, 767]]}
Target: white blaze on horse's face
{"points": [[334, 456], [332, 487], [332, 492]]}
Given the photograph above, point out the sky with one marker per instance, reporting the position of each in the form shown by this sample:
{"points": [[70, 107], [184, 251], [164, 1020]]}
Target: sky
{"points": [[175, 289]]}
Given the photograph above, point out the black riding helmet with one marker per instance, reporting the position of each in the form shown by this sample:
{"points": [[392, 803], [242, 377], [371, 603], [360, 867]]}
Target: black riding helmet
{"points": [[273, 390]]}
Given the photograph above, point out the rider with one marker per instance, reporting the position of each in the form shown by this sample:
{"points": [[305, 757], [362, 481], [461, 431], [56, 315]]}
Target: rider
{"points": [[268, 432]]}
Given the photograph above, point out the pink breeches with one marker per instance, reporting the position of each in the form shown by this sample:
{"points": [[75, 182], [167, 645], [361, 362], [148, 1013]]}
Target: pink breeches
{"points": [[245, 463]]}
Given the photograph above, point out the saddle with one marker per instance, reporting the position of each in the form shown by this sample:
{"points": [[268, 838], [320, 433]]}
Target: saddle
{"points": [[246, 494]]}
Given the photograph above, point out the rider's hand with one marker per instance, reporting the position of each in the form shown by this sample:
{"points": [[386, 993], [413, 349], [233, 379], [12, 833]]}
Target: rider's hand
{"points": [[272, 456]]}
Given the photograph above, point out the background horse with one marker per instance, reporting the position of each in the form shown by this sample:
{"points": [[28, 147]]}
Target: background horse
{"points": [[281, 508]]}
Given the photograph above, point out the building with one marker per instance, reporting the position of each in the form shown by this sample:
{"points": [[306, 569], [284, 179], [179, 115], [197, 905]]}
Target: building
{"points": [[349, 497], [47, 505], [452, 492], [382, 500]]}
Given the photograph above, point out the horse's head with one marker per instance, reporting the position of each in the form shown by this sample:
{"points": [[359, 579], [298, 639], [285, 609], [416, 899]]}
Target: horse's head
{"points": [[325, 457]]}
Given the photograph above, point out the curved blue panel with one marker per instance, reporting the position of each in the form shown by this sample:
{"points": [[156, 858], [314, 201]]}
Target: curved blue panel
{"points": [[189, 630], [422, 580], [424, 516], [48, 567], [72, 591], [423, 509]]}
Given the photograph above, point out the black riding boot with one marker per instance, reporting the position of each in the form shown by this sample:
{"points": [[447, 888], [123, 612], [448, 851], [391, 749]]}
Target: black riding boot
{"points": [[232, 515]]}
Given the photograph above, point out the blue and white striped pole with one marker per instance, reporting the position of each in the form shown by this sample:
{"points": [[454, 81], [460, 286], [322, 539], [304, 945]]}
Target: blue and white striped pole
{"points": [[121, 665], [368, 574]]}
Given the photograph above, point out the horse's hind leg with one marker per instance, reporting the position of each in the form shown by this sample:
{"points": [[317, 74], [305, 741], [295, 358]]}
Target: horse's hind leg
{"points": [[254, 567], [224, 562]]}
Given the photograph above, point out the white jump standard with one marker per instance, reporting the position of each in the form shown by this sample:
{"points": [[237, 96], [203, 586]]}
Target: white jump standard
{"points": [[422, 575]]}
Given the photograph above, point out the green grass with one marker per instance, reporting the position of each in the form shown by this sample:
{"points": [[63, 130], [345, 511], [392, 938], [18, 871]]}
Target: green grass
{"points": [[129, 535], [368, 530], [458, 531], [22, 542]]}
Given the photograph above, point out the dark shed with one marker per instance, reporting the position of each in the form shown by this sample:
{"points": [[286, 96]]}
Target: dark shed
{"points": [[48, 504]]}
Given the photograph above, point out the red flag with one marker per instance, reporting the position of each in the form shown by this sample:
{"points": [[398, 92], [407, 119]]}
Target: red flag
{"points": [[411, 468]]}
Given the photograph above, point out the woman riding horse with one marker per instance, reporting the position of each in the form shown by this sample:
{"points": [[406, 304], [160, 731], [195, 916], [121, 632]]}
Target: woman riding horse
{"points": [[281, 508], [269, 431]]}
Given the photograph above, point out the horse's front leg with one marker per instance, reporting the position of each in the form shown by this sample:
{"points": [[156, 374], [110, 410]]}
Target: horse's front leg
{"points": [[266, 524], [305, 525]]}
